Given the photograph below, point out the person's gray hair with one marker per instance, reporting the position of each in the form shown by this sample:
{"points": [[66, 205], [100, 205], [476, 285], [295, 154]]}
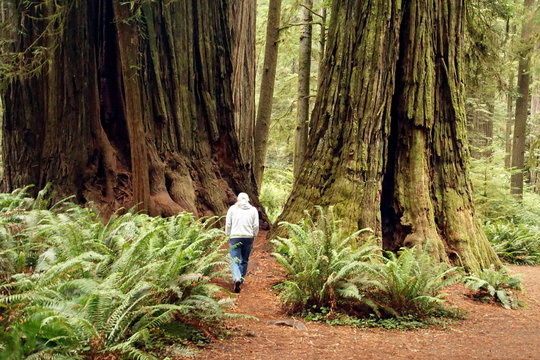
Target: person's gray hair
{"points": [[242, 197]]}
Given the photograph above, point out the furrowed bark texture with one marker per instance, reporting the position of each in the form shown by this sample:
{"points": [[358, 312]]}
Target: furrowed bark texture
{"points": [[243, 14], [345, 157], [135, 107], [373, 107], [432, 194]]}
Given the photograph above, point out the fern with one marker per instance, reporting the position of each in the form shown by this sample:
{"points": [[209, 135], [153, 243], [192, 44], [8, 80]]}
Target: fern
{"points": [[495, 284], [515, 244], [110, 284], [409, 283], [322, 266]]}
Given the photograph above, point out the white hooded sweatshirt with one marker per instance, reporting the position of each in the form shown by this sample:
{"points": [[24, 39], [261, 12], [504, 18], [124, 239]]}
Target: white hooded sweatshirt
{"points": [[242, 219]]}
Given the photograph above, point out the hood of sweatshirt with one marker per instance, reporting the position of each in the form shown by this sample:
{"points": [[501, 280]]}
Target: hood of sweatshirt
{"points": [[244, 205]]}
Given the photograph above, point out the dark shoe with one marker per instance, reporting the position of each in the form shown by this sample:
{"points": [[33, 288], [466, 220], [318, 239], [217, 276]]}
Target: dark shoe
{"points": [[237, 284]]}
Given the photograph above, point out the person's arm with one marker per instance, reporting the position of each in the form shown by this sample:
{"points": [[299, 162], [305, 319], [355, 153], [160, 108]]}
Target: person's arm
{"points": [[255, 222], [228, 223]]}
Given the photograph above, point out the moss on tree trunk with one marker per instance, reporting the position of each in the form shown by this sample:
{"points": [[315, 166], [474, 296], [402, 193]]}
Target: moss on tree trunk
{"points": [[388, 140]]}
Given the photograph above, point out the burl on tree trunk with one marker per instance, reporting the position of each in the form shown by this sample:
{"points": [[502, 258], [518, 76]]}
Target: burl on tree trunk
{"points": [[135, 107], [388, 138]]}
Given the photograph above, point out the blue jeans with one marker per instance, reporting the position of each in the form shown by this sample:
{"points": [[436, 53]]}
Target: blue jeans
{"points": [[239, 250]]}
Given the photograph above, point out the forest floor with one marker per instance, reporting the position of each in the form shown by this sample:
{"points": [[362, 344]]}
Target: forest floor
{"points": [[488, 331]]}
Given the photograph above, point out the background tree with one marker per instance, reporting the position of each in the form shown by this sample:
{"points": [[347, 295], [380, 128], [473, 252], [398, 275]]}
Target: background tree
{"points": [[266, 97], [522, 100], [322, 42], [304, 74], [372, 106], [130, 102]]}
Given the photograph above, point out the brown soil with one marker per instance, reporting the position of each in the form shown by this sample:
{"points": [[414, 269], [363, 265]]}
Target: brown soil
{"points": [[488, 332]]}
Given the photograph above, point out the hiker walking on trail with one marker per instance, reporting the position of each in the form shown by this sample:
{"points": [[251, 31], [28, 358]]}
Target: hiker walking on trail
{"points": [[242, 226]]}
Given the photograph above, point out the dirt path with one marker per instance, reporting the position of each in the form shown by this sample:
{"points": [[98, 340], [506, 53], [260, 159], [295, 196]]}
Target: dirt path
{"points": [[489, 332]]}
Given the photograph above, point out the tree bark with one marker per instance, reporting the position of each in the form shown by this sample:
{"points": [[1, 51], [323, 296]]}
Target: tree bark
{"points": [[243, 30], [136, 103], [266, 96], [351, 117], [387, 145], [509, 122], [128, 54], [510, 31], [304, 73], [322, 45], [534, 130], [522, 104]]}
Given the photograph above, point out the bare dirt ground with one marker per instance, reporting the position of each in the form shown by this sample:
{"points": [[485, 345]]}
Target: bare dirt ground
{"points": [[488, 332]]}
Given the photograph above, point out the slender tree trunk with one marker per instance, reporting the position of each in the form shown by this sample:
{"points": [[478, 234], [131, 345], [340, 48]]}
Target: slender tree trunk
{"points": [[243, 14], [522, 105], [266, 96], [535, 127], [510, 31], [488, 128], [473, 127], [135, 106], [509, 122], [322, 44], [304, 73], [387, 144]]}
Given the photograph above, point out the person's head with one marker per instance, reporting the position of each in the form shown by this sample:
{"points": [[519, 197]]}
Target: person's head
{"points": [[242, 197]]}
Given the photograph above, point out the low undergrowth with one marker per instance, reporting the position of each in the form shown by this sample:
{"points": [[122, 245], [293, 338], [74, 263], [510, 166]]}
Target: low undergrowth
{"points": [[332, 280], [74, 287], [323, 268], [496, 285], [275, 190], [326, 270], [511, 224], [407, 322], [514, 243]]}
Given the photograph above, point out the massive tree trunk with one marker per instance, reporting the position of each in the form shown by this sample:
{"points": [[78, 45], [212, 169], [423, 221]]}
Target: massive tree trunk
{"points": [[351, 117], [266, 96], [388, 138], [304, 73], [135, 106], [243, 14], [522, 103]]}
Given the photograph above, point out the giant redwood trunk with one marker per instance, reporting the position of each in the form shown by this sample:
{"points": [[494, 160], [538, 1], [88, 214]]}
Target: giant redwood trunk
{"points": [[135, 106], [388, 141], [243, 14]]}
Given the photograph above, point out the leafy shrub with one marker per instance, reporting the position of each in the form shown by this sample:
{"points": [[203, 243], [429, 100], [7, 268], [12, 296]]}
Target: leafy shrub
{"points": [[16, 250], [511, 224], [409, 283], [495, 284], [275, 191], [110, 288], [514, 244], [323, 269]]}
